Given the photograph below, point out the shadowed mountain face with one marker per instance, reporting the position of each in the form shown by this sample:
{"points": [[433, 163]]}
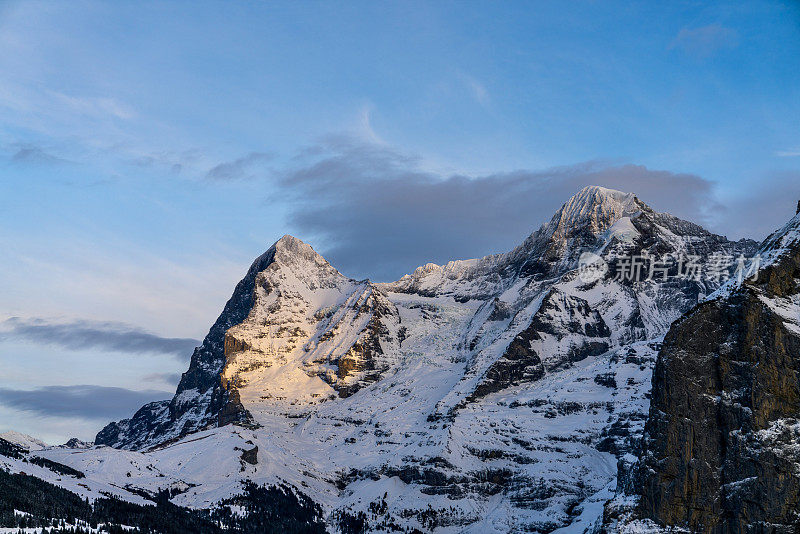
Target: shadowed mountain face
{"points": [[495, 394], [722, 442]]}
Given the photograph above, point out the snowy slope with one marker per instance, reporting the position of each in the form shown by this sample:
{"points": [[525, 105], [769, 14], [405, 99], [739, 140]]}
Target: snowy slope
{"points": [[487, 395], [23, 440]]}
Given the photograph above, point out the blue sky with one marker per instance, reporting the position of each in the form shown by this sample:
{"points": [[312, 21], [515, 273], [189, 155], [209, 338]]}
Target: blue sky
{"points": [[149, 151]]}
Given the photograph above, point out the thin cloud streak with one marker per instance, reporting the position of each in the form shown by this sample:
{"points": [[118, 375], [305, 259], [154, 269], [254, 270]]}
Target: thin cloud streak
{"points": [[705, 41], [85, 334], [35, 155], [82, 401], [477, 90], [238, 168]]}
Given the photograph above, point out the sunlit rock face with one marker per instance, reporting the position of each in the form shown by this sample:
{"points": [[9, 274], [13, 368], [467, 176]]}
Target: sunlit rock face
{"points": [[490, 395]]}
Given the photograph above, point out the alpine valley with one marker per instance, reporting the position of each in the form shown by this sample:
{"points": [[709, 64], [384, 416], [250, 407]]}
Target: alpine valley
{"points": [[510, 393]]}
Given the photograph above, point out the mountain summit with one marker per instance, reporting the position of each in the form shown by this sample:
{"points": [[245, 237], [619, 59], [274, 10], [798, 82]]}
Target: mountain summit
{"points": [[577, 226], [593, 209]]}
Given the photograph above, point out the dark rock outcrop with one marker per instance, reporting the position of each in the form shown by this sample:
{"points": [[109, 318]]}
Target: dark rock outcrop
{"points": [[250, 456], [565, 327], [722, 442], [75, 443], [365, 363]]}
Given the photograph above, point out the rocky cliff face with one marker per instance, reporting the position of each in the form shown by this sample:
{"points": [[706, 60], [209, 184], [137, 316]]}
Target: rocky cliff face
{"points": [[564, 330], [496, 394], [294, 330], [722, 441]]}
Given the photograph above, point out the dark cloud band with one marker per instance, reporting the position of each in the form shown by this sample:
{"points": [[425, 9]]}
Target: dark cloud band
{"points": [[84, 401], [379, 214], [239, 168], [83, 334]]}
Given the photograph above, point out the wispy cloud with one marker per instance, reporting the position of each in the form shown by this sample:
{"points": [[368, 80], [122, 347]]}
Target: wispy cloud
{"points": [[84, 334], [35, 155], [83, 401], [238, 168], [477, 90], [165, 378], [174, 161], [98, 107], [34, 106], [705, 41], [67, 275], [793, 153], [364, 129]]}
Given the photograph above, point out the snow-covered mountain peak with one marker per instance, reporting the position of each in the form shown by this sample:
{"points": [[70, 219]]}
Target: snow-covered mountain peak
{"points": [[289, 250], [23, 440], [781, 241], [602, 194], [293, 245], [594, 209], [586, 222], [291, 262], [468, 390], [596, 219]]}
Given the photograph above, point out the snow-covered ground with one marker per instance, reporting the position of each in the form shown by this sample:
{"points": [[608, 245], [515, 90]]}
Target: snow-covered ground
{"points": [[23, 440]]}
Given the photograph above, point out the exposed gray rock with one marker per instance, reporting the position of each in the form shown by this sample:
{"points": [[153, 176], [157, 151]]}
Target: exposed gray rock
{"points": [[564, 330]]}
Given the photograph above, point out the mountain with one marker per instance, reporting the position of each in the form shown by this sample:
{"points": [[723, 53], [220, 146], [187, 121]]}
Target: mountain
{"points": [[23, 440], [722, 440], [295, 331], [75, 443], [499, 394]]}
